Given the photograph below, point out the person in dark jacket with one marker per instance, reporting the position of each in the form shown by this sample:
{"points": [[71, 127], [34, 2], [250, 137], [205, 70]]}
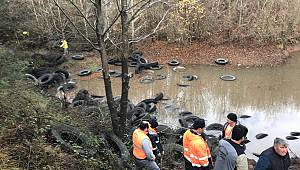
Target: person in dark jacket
{"points": [[230, 153], [275, 157], [228, 126], [153, 135]]}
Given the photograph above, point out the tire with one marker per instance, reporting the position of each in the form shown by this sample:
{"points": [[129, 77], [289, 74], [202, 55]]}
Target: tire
{"points": [[215, 126], [78, 103], [245, 116], [84, 72], [148, 101], [260, 135], [114, 140], [142, 105], [142, 60], [77, 57], [66, 87], [98, 69], [66, 73], [295, 133], [33, 78], [174, 62], [39, 72], [160, 77], [221, 61], [46, 79], [173, 156], [58, 60], [228, 77], [58, 78], [159, 96], [118, 63], [187, 121], [156, 67], [151, 108], [114, 73], [182, 85], [185, 113], [68, 136], [188, 77], [132, 64], [147, 80]]}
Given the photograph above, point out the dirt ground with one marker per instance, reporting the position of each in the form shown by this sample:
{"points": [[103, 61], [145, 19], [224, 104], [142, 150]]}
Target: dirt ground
{"points": [[201, 53]]}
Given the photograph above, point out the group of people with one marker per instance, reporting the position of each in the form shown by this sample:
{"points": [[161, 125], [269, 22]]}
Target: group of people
{"points": [[230, 153]]}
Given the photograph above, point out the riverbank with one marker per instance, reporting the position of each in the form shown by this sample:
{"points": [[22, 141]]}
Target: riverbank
{"points": [[201, 53]]}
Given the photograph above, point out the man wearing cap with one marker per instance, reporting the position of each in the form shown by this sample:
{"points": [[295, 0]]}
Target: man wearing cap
{"points": [[142, 148], [228, 126], [196, 151], [230, 153], [275, 157]]}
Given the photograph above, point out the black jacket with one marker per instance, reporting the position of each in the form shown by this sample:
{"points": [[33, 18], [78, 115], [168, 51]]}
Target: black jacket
{"points": [[270, 160]]}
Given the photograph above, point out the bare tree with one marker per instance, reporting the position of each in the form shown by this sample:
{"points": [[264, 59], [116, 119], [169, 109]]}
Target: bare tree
{"points": [[103, 26]]}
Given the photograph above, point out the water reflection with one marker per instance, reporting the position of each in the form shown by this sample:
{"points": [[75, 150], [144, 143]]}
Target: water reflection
{"points": [[270, 95]]}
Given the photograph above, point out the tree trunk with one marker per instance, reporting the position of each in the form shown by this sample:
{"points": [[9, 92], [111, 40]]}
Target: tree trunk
{"points": [[125, 76], [107, 83]]}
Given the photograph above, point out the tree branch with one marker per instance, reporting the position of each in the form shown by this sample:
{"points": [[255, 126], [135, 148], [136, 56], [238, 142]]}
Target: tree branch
{"points": [[154, 31], [81, 14], [88, 40]]}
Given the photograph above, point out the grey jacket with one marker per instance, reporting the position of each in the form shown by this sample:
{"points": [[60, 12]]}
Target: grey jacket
{"points": [[230, 156]]}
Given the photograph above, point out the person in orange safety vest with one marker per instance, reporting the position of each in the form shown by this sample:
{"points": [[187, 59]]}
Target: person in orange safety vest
{"points": [[142, 148], [196, 151]]}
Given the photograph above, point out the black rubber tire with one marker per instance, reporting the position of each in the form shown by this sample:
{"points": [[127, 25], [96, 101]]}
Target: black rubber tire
{"points": [[78, 103], [159, 96], [147, 101], [164, 129], [142, 60], [147, 80], [182, 85], [187, 121], [32, 78], [46, 79], [77, 57], [174, 62], [66, 136], [65, 72], [173, 155], [188, 77], [151, 107], [228, 77], [215, 126], [291, 137], [84, 72], [117, 142], [156, 67], [185, 113], [295, 133], [58, 78], [114, 73], [98, 69], [245, 116], [142, 105], [160, 77], [118, 63], [221, 61], [132, 64], [66, 87], [57, 60], [261, 135]]}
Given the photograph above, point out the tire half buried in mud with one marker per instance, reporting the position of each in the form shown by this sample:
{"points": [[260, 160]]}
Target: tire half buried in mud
{"points": [[71, 139], [228, 77], [173, 156]]}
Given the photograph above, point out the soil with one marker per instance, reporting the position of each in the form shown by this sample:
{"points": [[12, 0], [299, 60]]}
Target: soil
{"points": [[201, 53]]}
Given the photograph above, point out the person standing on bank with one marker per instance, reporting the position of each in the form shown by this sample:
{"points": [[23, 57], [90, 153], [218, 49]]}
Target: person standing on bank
{"points": [[275, 157], [228, 126], [154, 138], [64, 45], [230, 153], [195, 148], [142, 148]]}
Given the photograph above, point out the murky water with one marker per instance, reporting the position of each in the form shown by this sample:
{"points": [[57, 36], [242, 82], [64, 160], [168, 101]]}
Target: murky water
{"points": [[271, 96]]}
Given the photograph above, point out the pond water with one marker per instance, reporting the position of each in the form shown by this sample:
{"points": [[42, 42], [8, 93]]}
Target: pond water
{"points": [[271, 96]]}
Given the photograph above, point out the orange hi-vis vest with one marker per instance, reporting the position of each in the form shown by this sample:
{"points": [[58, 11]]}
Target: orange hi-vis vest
{"points": [[137, 138], [196, 149]]}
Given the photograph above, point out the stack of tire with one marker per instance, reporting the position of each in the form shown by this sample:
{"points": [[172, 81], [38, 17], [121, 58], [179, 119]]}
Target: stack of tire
{"points": [[137, 60], [144, 109], [44, 77]]}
